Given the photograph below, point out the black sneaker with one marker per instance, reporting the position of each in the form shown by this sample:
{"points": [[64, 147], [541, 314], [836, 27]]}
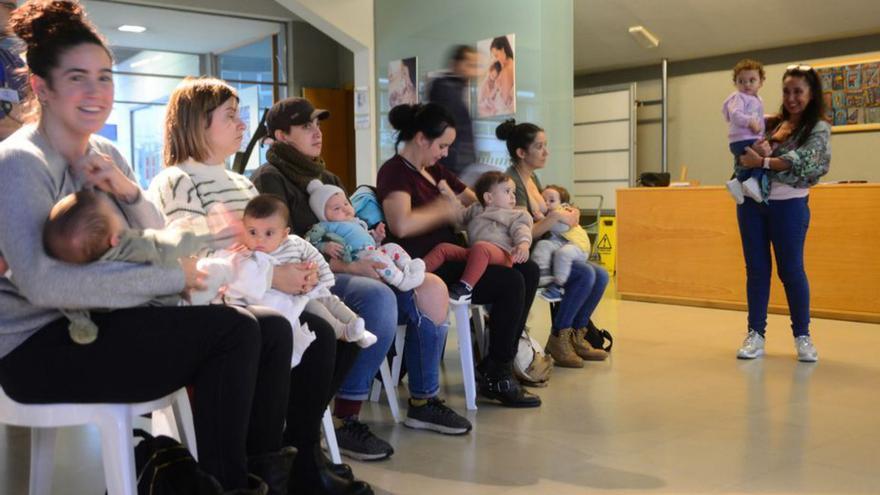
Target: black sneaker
{"points": [[435, 416], [355, 440], [460, 293]]}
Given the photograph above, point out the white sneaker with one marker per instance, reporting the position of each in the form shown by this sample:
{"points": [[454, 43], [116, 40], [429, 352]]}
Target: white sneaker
{"points": [[752, 189], [806, 351], [734, 187], [752, 347]]}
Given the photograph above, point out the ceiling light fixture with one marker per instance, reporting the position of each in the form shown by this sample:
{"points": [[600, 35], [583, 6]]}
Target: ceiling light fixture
{"points": [[644, 37], [127, 28]]}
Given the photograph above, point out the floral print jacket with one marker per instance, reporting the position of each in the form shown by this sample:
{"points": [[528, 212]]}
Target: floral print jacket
{"points": [[808, 162]]}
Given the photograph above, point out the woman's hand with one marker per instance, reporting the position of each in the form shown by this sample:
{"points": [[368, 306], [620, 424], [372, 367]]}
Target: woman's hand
{"points": [[751, 159], [762, 147], [567, 215], [520, 253], [100, 171], [379, 233], [366, 268], [194, 279], [333, 250], [295, 278]]}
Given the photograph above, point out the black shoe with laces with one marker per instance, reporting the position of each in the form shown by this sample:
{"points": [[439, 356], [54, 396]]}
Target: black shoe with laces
{"points": [[435, 416], [355, 440], [460, 293]]}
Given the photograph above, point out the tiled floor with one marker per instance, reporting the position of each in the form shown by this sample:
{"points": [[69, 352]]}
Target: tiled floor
{"points": [[671, 412]]}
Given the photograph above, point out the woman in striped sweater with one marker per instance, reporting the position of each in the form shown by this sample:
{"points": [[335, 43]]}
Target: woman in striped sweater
{"points": [[202, 130]]}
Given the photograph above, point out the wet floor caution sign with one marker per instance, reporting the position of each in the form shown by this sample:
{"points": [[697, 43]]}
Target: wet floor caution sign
{"points": [[606, 244]]}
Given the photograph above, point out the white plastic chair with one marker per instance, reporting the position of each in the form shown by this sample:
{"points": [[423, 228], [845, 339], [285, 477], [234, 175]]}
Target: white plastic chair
{"points": [[330, 437], [115, 424], [390, 386], [462, 313]]}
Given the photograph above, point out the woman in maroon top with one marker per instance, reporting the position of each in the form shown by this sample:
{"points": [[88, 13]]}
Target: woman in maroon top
{"points": [[422, 200]]}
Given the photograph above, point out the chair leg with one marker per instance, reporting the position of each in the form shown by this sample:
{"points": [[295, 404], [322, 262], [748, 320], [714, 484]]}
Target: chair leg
{"points": [[117, 451], [42, 460], [397, 362], [465, 351], [330, 437], [376, 390], [479, 330], [390, 390], [184, 421]]}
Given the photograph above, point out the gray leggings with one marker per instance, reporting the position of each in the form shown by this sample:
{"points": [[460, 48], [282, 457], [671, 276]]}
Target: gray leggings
{"points": [[554, 258]]}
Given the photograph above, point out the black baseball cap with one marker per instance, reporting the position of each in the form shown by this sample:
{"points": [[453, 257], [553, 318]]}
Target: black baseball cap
{"points": [[292, 111]]}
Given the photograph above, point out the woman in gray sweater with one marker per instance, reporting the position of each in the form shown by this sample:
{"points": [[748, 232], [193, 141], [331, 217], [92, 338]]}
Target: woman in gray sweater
{"points": [[236, 360]]}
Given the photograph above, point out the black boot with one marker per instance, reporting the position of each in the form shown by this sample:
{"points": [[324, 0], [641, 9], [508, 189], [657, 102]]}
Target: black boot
{"points": [[500, 384], [342, 470], [311, 476], [273, 469], [255, 487]]}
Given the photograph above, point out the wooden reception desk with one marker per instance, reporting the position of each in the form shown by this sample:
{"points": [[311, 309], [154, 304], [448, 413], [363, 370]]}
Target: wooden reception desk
{"points": [[682, 246]]}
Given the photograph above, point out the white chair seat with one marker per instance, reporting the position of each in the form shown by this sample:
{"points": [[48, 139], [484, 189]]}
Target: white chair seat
{"points": [[115, 424]]}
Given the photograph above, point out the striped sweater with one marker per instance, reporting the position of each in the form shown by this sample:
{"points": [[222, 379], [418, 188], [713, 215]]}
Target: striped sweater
{"points": [[296, 249], [185, 193]]}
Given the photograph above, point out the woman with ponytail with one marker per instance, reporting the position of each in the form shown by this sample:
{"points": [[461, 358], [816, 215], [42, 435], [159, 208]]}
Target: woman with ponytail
{"points": [[422, 201], [143, 352], [527, 145]]}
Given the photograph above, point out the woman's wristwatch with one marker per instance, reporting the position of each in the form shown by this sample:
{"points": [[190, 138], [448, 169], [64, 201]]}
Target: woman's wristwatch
{"points": [[767, 162]]}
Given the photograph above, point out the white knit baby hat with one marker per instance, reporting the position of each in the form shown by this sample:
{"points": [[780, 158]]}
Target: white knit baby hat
{"points": [[319, 194]]}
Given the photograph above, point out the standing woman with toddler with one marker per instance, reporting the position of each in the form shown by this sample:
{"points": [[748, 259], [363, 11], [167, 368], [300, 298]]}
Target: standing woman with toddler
{"points": [[796, 154], [236, 361]]}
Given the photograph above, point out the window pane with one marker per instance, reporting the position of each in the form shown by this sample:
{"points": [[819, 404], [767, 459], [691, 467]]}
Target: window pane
{"points": [[139, 130], [254, 100], [144, 89], [154, 62], [249, 63]]}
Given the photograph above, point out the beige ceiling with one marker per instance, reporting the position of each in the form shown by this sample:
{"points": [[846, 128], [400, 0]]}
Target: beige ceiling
{"points": [[690, 29]]}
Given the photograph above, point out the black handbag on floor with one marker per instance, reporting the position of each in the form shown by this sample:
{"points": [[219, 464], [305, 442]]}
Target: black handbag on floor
{"points": [[165, 467], [597, 337]]}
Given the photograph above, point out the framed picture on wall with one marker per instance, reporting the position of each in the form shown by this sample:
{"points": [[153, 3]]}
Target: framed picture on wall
{"points": [[402, 88], [496, 87], [851, 93]]}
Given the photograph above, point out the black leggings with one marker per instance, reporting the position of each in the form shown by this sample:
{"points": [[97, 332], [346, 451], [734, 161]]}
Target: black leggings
{"points": [[315, 381], [237, 360], [511, 292]]}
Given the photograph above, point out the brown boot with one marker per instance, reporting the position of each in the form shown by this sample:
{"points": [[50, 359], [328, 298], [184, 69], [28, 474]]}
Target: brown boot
{"points": [[562, 349], [583, 348]]}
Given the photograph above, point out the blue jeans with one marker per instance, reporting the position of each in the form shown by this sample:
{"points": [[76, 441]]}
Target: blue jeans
{"points": [[583, 291], [738, 148], [784, 224], [375, 302], [424, 345]]}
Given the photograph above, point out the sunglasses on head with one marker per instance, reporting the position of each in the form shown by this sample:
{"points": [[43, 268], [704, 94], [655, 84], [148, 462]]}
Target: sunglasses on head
{"points": [[799, 68]]}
